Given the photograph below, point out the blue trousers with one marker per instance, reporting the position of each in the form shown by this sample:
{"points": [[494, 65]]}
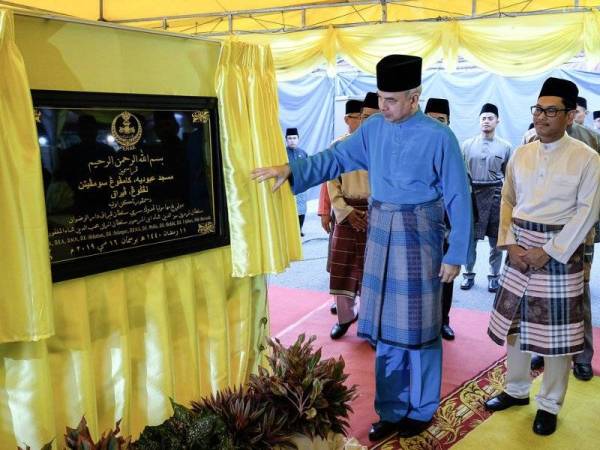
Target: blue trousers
{"points": [[408, 382]]}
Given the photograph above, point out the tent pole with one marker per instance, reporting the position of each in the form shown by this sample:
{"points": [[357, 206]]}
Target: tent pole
{"points": [[115, 26]]}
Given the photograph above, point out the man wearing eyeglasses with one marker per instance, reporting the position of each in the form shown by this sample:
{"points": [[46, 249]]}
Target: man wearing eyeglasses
{"points": [[486, 156], [550, 201], [352, 118], [582, 362], [349, 194]]}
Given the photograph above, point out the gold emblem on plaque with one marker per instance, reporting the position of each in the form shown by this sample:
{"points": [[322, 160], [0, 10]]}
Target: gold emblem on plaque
{"points": [[200, 116], [38, 115], [205, 228], [127, 130]]}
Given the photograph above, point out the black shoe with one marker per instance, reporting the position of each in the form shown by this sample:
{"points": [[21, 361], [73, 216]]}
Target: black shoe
{"points": [[503, 401], [382, 429], [537, 362], [544, 423], [493, 284], [333, 308], [583, 371], [447, 332], [467, 283], [410, 427], [339, 330]]}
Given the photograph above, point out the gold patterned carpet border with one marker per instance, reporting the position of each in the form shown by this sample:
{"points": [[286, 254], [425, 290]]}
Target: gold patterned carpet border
{"points": [[459, 413]]}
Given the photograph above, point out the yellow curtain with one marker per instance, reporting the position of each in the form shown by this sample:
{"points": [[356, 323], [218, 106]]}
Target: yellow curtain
{"points": [[591, 38], [128, 340], [296, 54], [510, 46], [124, 341], [524, 46], [25, 282], [263, 225], [365, 46]]}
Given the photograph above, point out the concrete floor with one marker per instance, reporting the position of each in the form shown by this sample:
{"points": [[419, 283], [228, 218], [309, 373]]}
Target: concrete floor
{"points": [[310, 273]]}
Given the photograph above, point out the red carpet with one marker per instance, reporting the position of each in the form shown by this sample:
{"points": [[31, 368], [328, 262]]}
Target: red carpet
{"points": [[296, 311]]}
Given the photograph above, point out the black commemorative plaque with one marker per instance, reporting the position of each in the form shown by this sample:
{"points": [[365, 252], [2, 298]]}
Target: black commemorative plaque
{"points": [[128, 179]]}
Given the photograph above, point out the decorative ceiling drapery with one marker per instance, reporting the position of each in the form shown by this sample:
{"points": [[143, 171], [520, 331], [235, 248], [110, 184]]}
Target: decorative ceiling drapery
{"points": [[507, 37], [519, 46]]}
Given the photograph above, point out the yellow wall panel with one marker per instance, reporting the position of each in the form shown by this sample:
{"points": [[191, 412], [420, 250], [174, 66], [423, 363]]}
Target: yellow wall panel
{"points": [[69, 56]]}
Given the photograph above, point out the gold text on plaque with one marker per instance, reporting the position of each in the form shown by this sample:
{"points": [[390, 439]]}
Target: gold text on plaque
{"points": [[127, 130], [200, 116], [38, 115]]}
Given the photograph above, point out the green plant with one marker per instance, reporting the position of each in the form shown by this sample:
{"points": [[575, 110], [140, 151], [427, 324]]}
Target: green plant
{"points": [[310, 392], [80, 438], [186, 430], [252, 423]]}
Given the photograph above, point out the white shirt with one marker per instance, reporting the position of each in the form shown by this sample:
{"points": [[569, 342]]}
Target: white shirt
{"points": [[553, 184]]}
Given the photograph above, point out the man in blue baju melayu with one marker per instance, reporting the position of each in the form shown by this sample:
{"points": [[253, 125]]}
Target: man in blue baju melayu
{"points": [[416, 172]]}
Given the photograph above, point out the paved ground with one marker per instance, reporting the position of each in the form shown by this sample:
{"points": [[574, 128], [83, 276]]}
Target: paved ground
{"points": [[311, 274]]}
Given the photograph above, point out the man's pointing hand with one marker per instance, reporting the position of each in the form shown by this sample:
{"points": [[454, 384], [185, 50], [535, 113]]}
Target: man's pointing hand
{"points": [[280, 173]]}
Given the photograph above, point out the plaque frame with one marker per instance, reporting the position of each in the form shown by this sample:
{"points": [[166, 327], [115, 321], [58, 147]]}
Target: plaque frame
{"points": [[98, 263]]}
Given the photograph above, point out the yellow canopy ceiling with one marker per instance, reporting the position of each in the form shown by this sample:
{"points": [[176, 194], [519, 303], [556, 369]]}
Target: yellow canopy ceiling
{"points": [[217, 17], [509, 37]]}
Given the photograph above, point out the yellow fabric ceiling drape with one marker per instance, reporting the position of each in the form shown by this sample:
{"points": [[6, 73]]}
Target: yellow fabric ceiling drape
{"points": [[25, 283], [265, 235], [527, 46], [296, 54], [510, 46]]}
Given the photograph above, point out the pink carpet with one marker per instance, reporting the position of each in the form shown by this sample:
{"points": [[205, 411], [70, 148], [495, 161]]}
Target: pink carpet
{"points": [[296, 311]]}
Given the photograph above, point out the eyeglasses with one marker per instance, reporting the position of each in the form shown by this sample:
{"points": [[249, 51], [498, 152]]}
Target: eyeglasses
{"points": [[551, 111]]}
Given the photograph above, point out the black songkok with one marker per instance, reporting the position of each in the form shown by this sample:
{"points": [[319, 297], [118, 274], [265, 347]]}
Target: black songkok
{"points": [[397, 73], [582, 102], [489, 108], [596, 115], [371, 101], [353, 106], [558, 87], [291, 132], [438, 105]]}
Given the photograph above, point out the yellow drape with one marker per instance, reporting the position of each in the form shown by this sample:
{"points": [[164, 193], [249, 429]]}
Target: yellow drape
{"points": [[511, 46], [527, 46], [296, 54], [25, 284], [123, 341], [128, 340], [263, 225]]}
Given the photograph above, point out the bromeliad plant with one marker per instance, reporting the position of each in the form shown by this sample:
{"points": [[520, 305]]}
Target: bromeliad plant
{"points": [[311, 393], [251, 421], [297, 394], [80, 438]]}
